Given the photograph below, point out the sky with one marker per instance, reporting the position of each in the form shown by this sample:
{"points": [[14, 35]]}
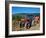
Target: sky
{"points": [[25, 10]]}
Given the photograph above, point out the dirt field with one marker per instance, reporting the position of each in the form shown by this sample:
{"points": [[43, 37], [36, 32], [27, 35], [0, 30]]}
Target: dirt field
{"points": [[17, 28]]}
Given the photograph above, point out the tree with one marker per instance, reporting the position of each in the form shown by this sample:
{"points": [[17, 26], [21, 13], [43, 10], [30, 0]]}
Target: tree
{"points": [[18, 17]]}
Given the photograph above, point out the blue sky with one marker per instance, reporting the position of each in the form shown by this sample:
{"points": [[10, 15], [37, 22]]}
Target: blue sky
{"points": [[25, 10]]}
